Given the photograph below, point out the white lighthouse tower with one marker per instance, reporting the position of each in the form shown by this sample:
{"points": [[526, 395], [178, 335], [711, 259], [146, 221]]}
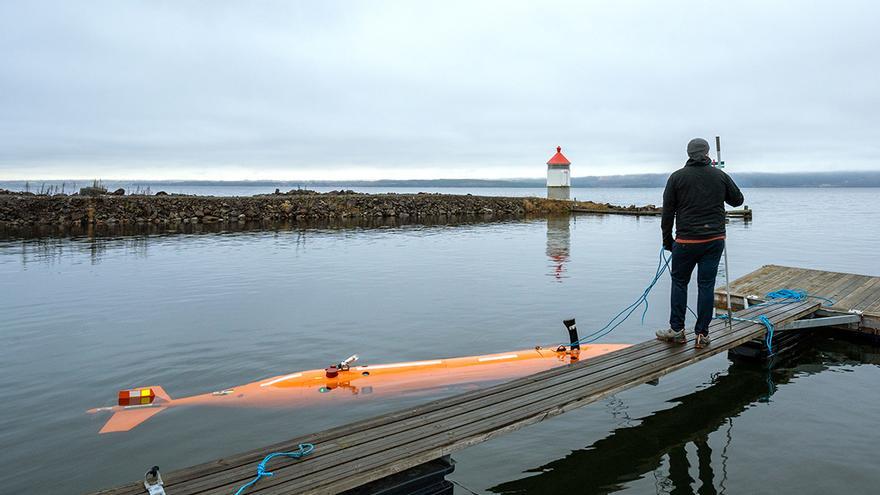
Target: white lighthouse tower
{"points": [[559, 176]]}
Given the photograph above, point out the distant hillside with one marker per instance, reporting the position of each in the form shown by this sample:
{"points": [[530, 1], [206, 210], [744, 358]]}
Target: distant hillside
{"points": [[744, 179]]}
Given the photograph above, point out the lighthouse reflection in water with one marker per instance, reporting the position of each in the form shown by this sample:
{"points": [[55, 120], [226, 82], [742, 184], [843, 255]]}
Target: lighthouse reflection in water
{"points": [[558, 245]]}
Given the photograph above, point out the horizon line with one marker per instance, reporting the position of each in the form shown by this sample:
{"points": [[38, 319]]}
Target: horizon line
{"points": [[500, 179]]}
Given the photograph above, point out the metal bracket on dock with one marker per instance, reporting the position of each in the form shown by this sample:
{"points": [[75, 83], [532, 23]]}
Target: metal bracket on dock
{"points": [[825, 321], [746, 300]]}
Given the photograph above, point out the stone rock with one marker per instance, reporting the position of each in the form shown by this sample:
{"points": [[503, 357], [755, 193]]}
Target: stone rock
{"points": [[21, 209], [92, 191], [118, 192]]}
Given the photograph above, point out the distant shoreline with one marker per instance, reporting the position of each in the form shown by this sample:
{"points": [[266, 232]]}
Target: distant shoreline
{"points": [[744, 179]]}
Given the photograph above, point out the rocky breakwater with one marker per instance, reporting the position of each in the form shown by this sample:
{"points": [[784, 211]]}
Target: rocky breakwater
{"points": [[300, 206]]}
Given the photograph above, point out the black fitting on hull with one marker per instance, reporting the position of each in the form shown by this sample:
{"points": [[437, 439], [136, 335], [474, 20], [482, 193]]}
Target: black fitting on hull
{"points": [[572, 333]]}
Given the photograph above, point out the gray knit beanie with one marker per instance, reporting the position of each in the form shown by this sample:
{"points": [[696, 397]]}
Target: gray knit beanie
{"points": [[698, 148]]}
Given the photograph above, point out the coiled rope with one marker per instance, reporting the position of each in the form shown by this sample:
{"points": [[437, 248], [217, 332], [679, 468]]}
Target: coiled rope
{"points": [[779, 296], [304, 449]]}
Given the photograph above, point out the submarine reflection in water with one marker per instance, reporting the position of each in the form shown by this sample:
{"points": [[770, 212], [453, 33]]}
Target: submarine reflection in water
{"points": [[558, 244], [630, 453]]}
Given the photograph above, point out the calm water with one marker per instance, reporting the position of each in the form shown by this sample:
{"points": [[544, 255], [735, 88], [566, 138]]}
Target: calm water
{"points": [[85, 317]]}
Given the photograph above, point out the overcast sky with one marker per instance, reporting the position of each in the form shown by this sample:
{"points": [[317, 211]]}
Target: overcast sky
{"points": [[365, 90]]}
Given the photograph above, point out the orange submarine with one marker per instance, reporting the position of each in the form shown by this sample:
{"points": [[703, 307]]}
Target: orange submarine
{"points": [[345, 381]]}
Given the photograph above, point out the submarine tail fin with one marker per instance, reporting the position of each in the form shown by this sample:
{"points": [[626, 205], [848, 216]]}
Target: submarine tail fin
{"points": [[135, 407], [127, 419]]}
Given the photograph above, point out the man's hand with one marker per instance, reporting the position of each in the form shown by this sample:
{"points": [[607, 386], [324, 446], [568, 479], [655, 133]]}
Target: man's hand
{"points": [[667, 243]]}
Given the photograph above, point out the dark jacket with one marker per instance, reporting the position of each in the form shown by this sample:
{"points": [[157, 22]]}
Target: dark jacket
{"points": [[694, 198]]}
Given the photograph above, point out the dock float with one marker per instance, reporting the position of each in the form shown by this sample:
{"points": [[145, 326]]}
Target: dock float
{"points": [[853, 300], [353, 455]]}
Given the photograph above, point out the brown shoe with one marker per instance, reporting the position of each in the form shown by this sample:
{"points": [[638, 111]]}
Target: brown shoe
{"points": [[670, 335], [702, 341]]}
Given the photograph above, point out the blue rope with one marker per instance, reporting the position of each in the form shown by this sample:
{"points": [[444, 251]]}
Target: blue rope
{"points": [[625, 313], [304, 449], [768, 338], [780, 296], [796, 295]]}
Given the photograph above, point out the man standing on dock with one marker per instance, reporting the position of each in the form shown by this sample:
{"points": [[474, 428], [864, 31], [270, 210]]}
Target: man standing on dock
{"points": [[694, 200]]}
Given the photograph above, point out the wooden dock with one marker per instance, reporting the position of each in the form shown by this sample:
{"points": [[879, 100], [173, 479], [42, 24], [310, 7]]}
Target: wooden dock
{"points": [[353, 455], [744, 213], [851, 294]]}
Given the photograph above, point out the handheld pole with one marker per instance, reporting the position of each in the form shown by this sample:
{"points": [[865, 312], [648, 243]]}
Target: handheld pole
{"points": [[727, 287], [726, 268]]}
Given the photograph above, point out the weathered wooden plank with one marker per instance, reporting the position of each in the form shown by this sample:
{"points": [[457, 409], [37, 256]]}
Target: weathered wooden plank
{"points": [[855, 299], [760, 282], [758, 274], [791, 278], [747, 284], [847, 290], [517, 406], [781, 277], [340, 479], [820, 283], [842, 287], [869, 296], [600, 211], [853, 283]]}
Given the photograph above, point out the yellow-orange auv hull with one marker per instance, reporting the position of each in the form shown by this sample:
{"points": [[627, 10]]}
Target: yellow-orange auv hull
{"points": [[367, 381]]}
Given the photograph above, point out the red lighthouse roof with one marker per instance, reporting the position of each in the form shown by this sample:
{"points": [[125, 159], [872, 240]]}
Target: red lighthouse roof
{"points": [[559, 158]]}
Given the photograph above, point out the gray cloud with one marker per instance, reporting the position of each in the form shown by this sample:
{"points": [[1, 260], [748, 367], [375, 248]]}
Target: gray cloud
{"points": [[238, 90]]}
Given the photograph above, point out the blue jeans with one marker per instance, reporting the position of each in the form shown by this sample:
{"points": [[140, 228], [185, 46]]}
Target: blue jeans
{"points": [[685, 256]]}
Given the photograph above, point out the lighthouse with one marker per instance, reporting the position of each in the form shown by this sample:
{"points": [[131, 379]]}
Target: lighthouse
{"points": [[559, 176]]}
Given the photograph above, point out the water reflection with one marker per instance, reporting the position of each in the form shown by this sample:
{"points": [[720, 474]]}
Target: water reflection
{"points": [[53, 250], [117, 230], [558, 244], [657, 446], [48, 244]]}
